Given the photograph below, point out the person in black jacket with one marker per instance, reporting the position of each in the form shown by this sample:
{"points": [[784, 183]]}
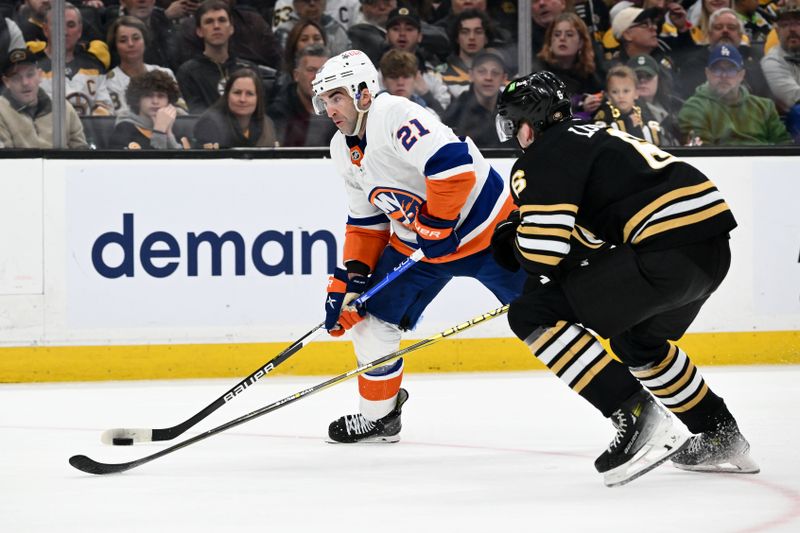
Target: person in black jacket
{"points": [[292, 110], [655, 234], [238, 119], [161, 49], [475, 108], [202, 78]]}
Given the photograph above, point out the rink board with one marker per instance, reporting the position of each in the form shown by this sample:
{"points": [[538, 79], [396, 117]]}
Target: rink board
{"points": [[167, 268]]}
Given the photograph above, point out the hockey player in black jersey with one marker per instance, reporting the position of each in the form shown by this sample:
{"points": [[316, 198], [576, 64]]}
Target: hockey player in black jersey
{"points": [[622, 238]]}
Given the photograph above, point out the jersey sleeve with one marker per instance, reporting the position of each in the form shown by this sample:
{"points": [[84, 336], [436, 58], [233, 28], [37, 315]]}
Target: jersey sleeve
{"points": [[436, 152], [548, 197], [367, 229]]}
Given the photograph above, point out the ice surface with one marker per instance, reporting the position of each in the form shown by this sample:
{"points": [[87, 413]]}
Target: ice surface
{"points": [[480, 452]]}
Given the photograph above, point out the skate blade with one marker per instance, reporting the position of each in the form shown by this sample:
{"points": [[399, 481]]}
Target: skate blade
{"points": [[391, 439], [656, 452], [740, 464]]}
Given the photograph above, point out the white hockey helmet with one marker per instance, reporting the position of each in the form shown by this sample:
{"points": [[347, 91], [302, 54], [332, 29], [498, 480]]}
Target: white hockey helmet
{"points": [[351, 71]]}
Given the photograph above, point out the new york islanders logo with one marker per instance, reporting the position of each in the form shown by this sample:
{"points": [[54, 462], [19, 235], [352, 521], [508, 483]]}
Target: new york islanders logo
{"points": [[398, 204]]}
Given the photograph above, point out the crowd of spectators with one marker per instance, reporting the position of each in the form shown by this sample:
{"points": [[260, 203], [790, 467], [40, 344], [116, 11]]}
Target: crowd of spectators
{"points": [[176, 74]]}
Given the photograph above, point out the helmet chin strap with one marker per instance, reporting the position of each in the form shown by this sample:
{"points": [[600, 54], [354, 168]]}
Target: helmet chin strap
{"points": [[361, 115]]}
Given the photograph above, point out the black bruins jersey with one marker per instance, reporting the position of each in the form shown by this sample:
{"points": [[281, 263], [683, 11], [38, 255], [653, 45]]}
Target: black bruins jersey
{"points": [[585, 184]]}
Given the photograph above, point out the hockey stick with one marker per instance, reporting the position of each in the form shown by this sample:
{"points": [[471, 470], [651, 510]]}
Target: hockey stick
{"points": [[127, 436], [90, 466]]}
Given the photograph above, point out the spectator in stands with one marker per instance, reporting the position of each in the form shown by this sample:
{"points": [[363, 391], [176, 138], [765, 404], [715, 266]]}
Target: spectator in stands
{"points": [[543, 13], [756, 21], [147, 124], [435, 39], [662, 105], [239, 118], [398, 71], [473, 113], [782, 63], [700, 15], [503, 35], [252, 38], [782, 66], [292, 110], [621, 110], [162, 46], [471, 32], [368, 34], [723, 112], [31, 18], [335, 33], [128, 38], [404, 32], [202, 78], [724, 27], [635, 29], [26, 112], [304, 33], [568, 53], [85, 74]]}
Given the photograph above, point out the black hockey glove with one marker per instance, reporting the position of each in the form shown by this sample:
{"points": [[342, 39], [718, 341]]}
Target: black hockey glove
{"points": [[503, 242]]}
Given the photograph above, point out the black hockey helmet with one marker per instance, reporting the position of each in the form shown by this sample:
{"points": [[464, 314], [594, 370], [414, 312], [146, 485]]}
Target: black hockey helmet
{"points": [[540, 99]]}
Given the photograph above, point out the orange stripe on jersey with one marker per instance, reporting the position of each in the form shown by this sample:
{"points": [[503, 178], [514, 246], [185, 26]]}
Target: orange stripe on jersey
{"points": [[446, 197], [365, 245], [377, 390], [474, 245]]}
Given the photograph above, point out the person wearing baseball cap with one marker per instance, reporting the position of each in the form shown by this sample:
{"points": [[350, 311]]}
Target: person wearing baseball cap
{"points": [[636, 30], [404, 33], [722, 112], [403, 14], [26, 112], [638, 26], [654, 98]]}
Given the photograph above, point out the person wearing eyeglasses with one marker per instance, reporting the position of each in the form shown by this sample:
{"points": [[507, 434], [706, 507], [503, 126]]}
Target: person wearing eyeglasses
{"points": [[724, 27], [723, 113], [781, 66], [637, 32]]}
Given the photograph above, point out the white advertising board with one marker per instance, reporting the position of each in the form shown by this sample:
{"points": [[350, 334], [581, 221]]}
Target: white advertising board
{"points": [[200, 251], [21, 238], [197, 245]]}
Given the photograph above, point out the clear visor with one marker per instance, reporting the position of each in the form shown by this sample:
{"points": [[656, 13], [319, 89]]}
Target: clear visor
{"points": [[319, 105], [318, 100], [505, 128]]}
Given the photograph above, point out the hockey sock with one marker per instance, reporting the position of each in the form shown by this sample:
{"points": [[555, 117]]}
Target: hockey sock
{"points": [[678, 384], [581, 362], [378, 390]]}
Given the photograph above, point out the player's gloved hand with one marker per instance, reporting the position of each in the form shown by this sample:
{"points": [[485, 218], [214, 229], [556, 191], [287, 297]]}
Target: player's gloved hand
{"points": [[437, 237], [503, 242], [339, 314]]}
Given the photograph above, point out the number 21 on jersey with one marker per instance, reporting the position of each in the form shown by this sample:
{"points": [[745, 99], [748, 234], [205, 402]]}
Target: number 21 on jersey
{"points": [[408, 137]]}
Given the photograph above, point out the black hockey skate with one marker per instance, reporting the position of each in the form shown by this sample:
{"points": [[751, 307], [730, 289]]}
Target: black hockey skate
{"points": [[723, 449], [355, 428], [645, 438]]}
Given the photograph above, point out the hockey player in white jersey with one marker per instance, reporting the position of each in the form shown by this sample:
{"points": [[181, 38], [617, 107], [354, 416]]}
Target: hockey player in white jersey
{"points": [[411, 183]]}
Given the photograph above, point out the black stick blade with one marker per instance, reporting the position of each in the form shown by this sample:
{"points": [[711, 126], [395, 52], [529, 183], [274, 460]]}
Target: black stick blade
{"points": [[90, 466]]}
